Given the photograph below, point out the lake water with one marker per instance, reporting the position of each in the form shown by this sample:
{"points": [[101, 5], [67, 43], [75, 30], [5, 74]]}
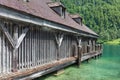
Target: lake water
{"points": [[105, 68]]}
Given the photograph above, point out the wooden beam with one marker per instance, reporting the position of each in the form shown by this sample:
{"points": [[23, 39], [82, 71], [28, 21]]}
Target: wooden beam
{"points": [[24, 32], [79, 56], [59, 72], [15, 51], [8, 13], [79, 51], [8, 36], [90, 44], [59, 39], [47, 68]]}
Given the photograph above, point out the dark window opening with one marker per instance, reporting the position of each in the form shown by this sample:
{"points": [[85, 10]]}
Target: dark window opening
{"points": [[58, 8], [78, 20], [26, 0], [60, 11]]}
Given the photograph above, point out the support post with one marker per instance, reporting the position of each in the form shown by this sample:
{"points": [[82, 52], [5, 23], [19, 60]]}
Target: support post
{"points": [[58, 47], [15, 50], [94, 45], [14, 41], [22, 36], [7, 34], [90, 46], [17, 42], [59, 39], [79, 56], [79, 51]]}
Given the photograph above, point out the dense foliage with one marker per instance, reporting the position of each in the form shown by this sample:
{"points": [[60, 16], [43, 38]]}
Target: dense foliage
{"points": [[103, 16], [114, 42]]}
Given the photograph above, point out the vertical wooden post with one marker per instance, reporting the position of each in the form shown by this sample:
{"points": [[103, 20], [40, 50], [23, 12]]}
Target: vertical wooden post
{"points": [[79, 56], [58, 52], [15, 50], [59, 39], [94, 45], [0, 52], [90, 46], [101, 47], [79, 51]]}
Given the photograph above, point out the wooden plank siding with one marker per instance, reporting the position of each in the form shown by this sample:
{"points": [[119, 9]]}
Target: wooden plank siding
{"points": [[40, 48], [35, 46], [89, 46], [66, 49], [34, 43], [5, 51]]}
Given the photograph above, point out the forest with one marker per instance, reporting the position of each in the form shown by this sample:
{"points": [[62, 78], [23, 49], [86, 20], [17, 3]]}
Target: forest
{"points": [[102, 16]]}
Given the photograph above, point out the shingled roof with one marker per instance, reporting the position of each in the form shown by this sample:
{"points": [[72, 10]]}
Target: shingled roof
{"points": [[75, 15], [41, 9], [55, 4]]}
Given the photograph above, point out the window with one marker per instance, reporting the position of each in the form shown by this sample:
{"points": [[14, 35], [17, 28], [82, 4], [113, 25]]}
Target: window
{"points": [[26, 0], [58, 8], [77, 18]]}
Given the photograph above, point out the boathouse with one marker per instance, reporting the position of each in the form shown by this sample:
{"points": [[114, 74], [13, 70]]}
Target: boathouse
{"points": [[39, 36]]}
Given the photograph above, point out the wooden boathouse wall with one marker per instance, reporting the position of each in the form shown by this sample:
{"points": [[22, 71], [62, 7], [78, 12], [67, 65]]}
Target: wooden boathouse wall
{"points": [[25, 47], [35, 47], [29, 44]]}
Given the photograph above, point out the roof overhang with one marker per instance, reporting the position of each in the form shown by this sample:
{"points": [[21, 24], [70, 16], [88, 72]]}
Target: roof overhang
{"points": [[75, 16], [56, 4], [30, 19]]}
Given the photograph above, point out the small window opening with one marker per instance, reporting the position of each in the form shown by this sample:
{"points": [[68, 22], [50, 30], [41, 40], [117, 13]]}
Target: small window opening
{"points": [[58, 8], [77, 18], [26, 0]]}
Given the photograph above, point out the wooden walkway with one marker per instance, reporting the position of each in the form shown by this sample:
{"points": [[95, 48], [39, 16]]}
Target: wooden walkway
{"points": [[71, 61], [46, 68], [90, 56]]}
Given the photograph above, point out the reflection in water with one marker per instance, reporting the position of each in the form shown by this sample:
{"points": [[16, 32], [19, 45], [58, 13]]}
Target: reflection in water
{"points": [[105, 68]]}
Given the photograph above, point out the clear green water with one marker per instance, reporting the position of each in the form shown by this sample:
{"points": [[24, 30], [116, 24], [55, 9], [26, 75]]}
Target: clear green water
{"points": [[105, 68]]}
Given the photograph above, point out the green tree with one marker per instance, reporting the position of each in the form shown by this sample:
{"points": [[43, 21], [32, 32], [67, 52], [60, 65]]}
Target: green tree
{"points": [[102, 16]]}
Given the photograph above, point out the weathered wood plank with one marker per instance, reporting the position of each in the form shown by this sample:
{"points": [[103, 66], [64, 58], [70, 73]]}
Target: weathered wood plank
{"points": [[15, 51], [39, 47], [8, 36], [0, 53], [4, 63], [11, 48], [19, 51], [25, 52], [20, 39], [22, 53], [59, 39], [32, 40], [79, 51], [30, 48], [36, 48], [7, 52], [59, 72], [57, 65]]}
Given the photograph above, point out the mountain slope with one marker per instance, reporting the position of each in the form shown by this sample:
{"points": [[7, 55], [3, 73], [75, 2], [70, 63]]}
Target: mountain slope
{"points": [[103, 16]]}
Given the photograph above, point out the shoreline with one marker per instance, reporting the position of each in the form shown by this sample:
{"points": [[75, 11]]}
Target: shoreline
{"points": [[113, 42]]}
